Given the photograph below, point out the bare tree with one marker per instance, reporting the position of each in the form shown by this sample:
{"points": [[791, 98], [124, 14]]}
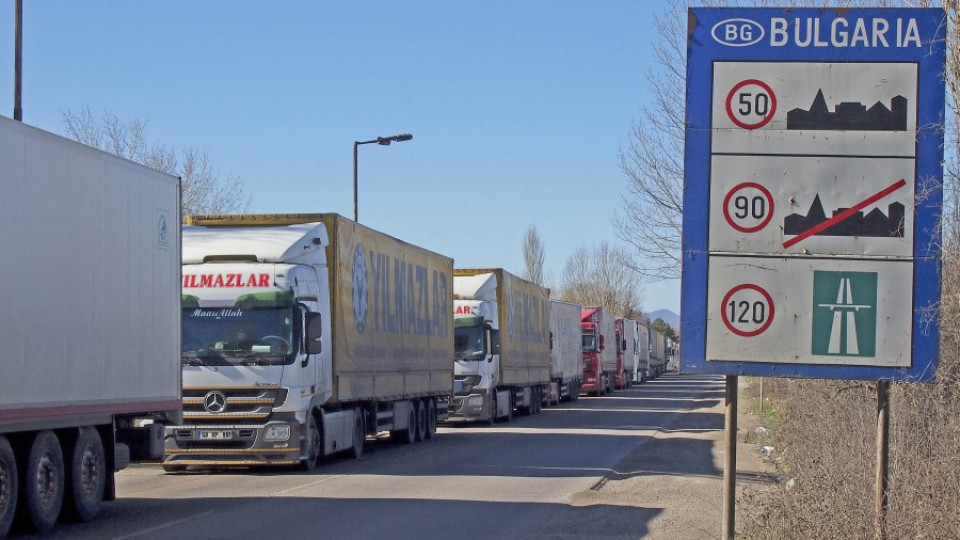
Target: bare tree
{"points": [[202, 190], [602, 277], [653, 161], [533, 256]]}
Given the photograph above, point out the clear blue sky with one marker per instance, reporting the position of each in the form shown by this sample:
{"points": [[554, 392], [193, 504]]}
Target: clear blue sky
{"points": [[518, 108]]}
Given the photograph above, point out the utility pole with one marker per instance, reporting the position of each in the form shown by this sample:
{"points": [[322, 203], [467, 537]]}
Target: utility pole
{"points": [[18, 62]]}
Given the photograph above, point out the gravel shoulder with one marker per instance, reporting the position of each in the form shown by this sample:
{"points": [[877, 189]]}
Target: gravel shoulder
{"points": [[678, 473]]}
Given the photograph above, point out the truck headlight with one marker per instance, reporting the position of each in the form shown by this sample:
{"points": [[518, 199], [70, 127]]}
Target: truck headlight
{"points": [[276, 433], [474, 401]]}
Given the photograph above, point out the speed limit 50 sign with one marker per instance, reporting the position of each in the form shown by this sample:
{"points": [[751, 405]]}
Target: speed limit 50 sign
{"points": [[812, 193]]}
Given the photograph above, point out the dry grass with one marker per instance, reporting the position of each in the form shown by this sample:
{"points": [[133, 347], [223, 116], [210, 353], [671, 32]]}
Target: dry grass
{"points": [[826, 444]]}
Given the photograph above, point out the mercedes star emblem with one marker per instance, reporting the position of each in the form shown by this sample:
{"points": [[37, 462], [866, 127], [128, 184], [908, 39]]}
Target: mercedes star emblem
{"points": [[215, 402]]}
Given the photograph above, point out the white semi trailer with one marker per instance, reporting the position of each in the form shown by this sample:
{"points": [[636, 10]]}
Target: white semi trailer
{"points": [[90, 325], [632, 358], [566, 351], [302, 335]]}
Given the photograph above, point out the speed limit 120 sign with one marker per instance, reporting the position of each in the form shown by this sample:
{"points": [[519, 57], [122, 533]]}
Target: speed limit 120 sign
{"points": [[811, 193]]}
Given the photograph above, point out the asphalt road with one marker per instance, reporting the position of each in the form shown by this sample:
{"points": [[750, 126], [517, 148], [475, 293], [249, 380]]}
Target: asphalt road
{"points": [[640, 463]]}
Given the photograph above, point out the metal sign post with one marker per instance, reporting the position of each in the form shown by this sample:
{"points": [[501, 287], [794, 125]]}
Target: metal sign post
{"points": [[730, 460], [812, 196], [883, 458]]}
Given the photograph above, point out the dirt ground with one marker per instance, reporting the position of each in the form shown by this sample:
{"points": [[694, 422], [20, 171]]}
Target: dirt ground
{"points": [[679, 473]]}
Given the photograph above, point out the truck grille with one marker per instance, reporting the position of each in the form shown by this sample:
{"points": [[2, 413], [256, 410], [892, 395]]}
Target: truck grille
{"points": [[230, 404]]}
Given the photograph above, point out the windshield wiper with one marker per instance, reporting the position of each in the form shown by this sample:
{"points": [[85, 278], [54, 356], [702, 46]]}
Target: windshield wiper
{"points": [[263, 360]]}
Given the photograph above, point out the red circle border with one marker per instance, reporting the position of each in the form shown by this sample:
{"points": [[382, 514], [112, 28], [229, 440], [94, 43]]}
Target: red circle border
{"points": [[773, 104], [753, 287], [726, 211]]}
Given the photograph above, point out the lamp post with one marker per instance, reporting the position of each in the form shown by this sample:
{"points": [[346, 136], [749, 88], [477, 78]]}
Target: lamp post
{"points": [[383, 141]]}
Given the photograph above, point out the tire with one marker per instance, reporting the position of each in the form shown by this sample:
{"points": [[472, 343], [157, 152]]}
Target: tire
{"points": [[509, 415], [422, 420], [410, 434], [88, 476], [314, 442], [359, 435], [8, 486], [431, 418], [43, 481]]}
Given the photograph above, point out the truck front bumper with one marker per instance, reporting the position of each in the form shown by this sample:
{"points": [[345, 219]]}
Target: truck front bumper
{"points": [[591, 383], [470, 408], [233, 445]]}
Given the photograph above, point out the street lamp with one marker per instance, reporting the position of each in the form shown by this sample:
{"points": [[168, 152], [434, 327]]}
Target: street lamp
{"points": [[383, 141]]}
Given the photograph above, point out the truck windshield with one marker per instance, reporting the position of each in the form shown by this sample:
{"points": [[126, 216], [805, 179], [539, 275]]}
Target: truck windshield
{"points": [[589, 342], [238, 336], [468, 343]]}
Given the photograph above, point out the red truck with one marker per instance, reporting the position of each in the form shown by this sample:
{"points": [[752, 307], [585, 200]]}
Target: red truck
{"points": [[599, 360]]}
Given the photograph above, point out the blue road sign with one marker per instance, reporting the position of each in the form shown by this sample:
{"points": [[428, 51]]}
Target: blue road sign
{"points": [[813, 192]]}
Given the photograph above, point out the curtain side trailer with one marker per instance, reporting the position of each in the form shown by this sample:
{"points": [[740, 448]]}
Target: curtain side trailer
{"points": [[303, 335], [502, 350]]}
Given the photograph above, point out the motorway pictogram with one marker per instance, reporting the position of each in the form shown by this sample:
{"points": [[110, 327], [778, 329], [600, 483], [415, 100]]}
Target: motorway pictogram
{"points": [[844, 313]]}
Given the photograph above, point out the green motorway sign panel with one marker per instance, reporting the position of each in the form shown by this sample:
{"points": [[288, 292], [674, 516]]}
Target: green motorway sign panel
{"points": [[844, 314]]}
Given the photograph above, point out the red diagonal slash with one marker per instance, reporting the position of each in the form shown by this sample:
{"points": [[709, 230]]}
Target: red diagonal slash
{"points": [[845, 214]]}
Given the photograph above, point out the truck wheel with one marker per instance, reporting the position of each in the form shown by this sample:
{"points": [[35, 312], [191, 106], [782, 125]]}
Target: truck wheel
{"points": [[8, 486], [314, 442], [537, 400], [43, 481], [421, 421], [410, 434], [509, 415], [88, 475], [359, 435], [431, 418]]}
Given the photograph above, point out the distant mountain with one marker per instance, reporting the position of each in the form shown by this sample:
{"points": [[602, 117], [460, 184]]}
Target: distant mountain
{"points": [[668, 317]]}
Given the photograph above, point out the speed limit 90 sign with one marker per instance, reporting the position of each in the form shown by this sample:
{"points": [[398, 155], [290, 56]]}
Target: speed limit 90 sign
{"points": [[751, 104], [748, 207]]}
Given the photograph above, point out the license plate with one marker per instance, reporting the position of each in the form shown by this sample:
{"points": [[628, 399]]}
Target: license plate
{"points": [[215, 435]]}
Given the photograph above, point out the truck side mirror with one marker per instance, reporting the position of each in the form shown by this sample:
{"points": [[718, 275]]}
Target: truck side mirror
{"points": [[551, 341], [314, 331], [494, 343], [603, 344]]}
